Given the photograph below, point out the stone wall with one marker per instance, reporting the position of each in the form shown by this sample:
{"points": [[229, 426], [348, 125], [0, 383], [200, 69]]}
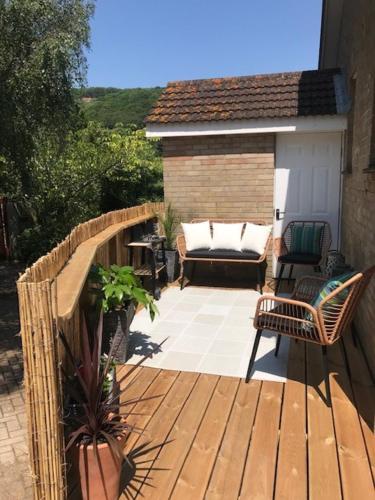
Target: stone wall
{"points": [[356, 57]]}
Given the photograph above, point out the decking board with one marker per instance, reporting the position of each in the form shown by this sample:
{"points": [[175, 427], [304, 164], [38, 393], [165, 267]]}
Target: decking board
{"points": [[356, 477], [324, 474], [210, 437], [259, 472], [195, 474], [364, 395], [226, 477], [291, 474]]}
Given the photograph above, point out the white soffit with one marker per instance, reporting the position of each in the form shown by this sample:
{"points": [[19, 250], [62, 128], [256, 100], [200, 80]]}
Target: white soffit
{"points": [[335, 123]]}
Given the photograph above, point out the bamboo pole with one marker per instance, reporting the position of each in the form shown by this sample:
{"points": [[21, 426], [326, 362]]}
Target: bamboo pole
{"points": [[42, 352]]}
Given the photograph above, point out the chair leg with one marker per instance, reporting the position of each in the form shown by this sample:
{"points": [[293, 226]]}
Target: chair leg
{"points": [[182, 276], [260, 279], [192, 271], [253, 354], [326, 376], [278, 342], [342, 347], [354, 335], [279, 278], [290, 273]]}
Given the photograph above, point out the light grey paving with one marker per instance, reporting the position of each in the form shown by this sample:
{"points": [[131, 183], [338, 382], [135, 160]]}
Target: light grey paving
{"points": [[207, 331]]}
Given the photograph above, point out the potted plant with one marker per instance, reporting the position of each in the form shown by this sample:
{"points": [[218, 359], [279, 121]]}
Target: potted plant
{"points": [[98, 428], [169, 222], [120, 291]]}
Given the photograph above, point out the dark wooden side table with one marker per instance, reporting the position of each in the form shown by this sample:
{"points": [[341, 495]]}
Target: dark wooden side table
{"points": [[151, 266]]}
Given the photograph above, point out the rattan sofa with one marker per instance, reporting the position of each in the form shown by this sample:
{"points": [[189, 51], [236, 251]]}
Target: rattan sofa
{"points": [[224, 256]]}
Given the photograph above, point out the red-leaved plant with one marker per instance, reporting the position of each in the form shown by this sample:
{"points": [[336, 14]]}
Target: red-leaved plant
{"points": [[100, 419]]}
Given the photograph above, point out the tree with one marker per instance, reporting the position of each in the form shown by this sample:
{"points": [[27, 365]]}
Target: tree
{"points": [[41, 58], [110, 106], [98, 170]]}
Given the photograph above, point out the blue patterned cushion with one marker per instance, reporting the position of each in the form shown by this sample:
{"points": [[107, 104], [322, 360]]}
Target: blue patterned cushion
{"points": [[331, 285], [328, 287]]}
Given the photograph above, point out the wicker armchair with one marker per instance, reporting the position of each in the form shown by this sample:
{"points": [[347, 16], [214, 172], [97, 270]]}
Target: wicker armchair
{"points": [[289, 251], [297, 318]]}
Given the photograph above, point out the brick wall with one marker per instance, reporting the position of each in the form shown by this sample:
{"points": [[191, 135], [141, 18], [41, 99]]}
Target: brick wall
{"points": [[220, 176], [228, 176], [356, 56]]}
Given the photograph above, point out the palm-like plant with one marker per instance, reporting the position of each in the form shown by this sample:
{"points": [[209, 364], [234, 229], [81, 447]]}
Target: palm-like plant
{"points": [[169, 222], [102, 418]]}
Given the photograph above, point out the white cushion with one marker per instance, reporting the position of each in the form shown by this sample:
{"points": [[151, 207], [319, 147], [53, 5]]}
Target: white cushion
{"points": [[226, 236], [197, 235], [255, 237]]}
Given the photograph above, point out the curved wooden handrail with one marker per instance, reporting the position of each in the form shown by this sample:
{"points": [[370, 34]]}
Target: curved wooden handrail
{"points": [[71, 280]]}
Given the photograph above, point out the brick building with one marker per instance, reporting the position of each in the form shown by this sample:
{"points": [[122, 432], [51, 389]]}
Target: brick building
{"points": [[348, 42], [296, 144]]}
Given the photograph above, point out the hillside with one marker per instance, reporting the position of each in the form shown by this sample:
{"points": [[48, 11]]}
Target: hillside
{"points": [[109, 105]]}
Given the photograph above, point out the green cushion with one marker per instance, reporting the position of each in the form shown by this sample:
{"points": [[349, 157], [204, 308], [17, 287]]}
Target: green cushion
{"points": [[328, 287], [331, 285], [306, 239]]}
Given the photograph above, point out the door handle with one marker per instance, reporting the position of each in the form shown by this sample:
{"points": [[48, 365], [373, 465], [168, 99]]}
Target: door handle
{"points": [[278, 213]]}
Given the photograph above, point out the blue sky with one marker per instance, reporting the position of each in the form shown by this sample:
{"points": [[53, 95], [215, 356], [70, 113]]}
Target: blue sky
{"points": [[144, 43]]}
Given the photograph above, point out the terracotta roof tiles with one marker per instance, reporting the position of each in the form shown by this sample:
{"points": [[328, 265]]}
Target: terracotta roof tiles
{"points": [[304, 93]]}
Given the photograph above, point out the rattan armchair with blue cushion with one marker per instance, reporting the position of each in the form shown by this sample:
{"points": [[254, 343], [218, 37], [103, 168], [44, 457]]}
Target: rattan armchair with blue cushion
{"points": [[302, 243], [319, 311]]}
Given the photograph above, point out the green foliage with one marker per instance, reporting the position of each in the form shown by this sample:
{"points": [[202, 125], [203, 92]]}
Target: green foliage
{"points": [[97, 170], [58, 168], [41, 59], [169, 222], [111, 106], [119, 286]]}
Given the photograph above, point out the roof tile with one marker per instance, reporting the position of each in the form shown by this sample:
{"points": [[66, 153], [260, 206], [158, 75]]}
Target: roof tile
{"points": [[304, 93]]}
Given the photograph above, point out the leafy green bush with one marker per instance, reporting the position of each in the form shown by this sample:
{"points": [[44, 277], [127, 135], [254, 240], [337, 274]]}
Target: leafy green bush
{"points": [[97, 170], [119, 286]]}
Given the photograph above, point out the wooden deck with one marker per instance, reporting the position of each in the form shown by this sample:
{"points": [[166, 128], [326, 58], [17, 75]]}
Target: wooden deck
{"points": [[219, 438]]}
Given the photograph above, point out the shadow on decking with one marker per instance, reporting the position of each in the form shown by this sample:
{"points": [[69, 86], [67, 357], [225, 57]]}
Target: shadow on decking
{"points": [[348, 366], [137, 468]]}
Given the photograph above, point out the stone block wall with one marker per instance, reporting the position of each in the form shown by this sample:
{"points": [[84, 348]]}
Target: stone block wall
{"points": [[356, 57]]}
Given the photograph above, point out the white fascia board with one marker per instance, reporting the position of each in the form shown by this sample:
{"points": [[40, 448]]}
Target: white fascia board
{"points": [[336, 123]]}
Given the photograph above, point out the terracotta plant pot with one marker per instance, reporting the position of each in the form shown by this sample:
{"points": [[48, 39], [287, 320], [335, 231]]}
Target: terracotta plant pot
{"points": [[99, 484]]}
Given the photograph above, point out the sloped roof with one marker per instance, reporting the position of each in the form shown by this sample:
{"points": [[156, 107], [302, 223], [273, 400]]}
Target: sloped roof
{"points": [[280, 95]]}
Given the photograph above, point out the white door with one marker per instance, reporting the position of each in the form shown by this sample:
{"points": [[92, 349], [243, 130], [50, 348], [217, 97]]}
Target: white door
{"points": [[308, 182]]}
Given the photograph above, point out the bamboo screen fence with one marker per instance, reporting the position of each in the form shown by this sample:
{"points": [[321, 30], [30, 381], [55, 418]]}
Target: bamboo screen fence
{"points": [[42, 354]]}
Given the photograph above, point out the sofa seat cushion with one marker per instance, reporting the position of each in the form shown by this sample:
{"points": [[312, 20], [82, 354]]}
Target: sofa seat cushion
{"points": [[206, 253], [300, 258]]}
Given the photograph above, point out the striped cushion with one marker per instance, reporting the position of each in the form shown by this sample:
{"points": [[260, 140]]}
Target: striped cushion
{"points": [[331, 285], [306, 239], [328, 287]]}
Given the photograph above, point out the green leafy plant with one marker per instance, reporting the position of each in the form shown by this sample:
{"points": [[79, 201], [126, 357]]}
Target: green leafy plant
{"points": [[119, 286], [169, 222]]}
